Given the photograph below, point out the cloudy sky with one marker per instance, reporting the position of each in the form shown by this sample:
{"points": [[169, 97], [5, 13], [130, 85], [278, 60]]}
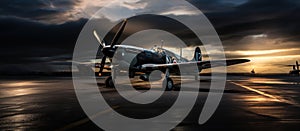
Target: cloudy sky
{"points": [[39, 35]]}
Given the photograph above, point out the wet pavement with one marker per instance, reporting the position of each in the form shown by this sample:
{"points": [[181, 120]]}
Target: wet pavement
{"points": [[248, 103]]}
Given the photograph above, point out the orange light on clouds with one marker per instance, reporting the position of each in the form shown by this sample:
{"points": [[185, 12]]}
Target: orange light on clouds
{"points": [[260, 52], [267, 64]]}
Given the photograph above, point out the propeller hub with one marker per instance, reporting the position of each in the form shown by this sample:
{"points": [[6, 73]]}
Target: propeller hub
{"points": [[108, 51]]}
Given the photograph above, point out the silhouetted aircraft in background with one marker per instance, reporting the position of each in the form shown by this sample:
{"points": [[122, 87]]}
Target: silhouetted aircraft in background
{"points": [[252, 71], [295, 70], [142, 61]]}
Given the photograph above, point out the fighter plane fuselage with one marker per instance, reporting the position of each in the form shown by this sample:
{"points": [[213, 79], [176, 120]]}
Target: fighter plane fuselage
{"points": [[136, 56]]}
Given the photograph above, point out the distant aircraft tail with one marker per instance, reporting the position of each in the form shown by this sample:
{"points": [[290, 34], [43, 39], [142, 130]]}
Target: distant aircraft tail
{"points": [[197, 55]]}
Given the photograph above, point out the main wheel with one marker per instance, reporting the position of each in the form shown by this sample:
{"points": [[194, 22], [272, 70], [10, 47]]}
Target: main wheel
{"points": [[144, 77], [168, 83], [109, 82]]}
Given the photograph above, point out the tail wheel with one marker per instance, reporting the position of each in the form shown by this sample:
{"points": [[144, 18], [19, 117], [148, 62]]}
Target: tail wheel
{"points": [[168, 83], [109, 82]]}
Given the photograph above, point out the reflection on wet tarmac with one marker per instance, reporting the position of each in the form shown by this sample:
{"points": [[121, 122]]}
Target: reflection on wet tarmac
{"points": [[18, 88], [277, 93], [264, 81], [257, 91], [272, 99], [22, 83], [248, 103], [33, 104]]}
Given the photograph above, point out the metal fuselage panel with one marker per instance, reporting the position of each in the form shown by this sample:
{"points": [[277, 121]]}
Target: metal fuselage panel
{"points": [[136, 57]]}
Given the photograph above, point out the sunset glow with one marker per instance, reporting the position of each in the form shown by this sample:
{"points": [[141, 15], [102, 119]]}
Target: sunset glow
{"points": [[259, 35], [260, 52]]}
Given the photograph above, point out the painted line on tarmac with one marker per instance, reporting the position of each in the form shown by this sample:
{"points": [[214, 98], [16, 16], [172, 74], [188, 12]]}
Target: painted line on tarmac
{"points": [[257, 91], [275, 98], [86, 120]]}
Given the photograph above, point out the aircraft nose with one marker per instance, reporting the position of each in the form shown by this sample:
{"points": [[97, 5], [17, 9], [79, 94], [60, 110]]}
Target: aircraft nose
{"points": [[108, 51]]}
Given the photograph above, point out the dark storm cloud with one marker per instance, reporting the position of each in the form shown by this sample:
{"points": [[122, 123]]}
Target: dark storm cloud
{"points": [[216, 5], [27, 39], [22, 40], [276, 18], [35, 9], [233, 19], [155, 22]]}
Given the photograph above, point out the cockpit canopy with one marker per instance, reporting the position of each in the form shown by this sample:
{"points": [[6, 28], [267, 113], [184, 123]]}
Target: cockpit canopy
{"points": [[170, 54]]}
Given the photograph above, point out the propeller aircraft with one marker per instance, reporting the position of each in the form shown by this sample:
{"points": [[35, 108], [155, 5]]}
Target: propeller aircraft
{"points": [[146, 61], [295, 70]]}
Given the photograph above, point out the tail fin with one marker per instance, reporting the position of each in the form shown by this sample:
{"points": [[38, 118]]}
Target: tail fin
{"points": [[197, 55]]}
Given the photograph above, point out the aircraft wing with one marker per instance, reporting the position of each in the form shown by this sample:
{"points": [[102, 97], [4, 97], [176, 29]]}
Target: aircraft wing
{"points": [[200, 64], [217, 63]]}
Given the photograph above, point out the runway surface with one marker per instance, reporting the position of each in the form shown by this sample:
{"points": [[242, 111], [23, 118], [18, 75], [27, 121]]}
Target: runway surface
{"points": [[248, 103]]}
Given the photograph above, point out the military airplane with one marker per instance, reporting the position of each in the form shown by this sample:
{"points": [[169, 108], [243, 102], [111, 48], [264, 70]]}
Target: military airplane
{"points": [[146, 61], [295, 70]]}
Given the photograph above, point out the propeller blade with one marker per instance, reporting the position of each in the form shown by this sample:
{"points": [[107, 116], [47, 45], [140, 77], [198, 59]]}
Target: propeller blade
{"points": [[98, 38], [118, 34], [102, 65]]}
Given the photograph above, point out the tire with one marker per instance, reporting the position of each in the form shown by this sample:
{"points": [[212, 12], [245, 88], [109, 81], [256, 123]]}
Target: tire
{"points": [[169, 85], [144, 77], [109, 82]]}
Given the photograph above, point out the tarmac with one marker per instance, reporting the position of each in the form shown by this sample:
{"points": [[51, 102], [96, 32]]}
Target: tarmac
{"points": [[248, 103]]}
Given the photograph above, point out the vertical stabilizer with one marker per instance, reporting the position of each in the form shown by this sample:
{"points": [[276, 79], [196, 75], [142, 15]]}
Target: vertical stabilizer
{"points": [[197, 55]]}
